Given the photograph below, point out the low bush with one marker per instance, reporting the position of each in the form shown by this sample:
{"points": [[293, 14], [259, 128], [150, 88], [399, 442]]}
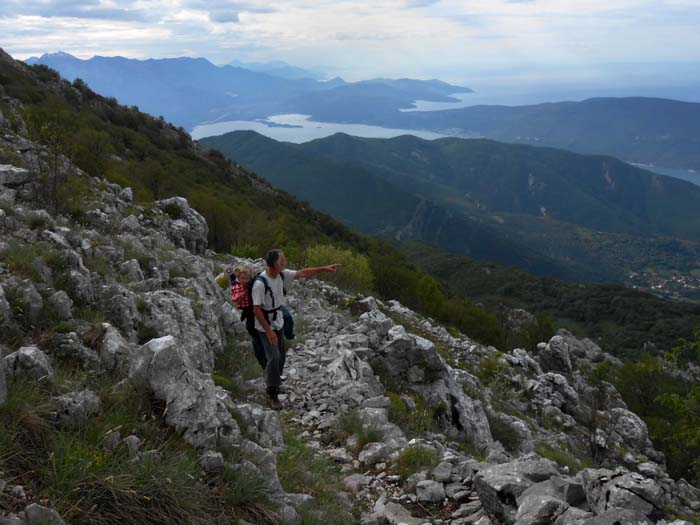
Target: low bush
{"points": [[417, 418], [414, 459], [354, 274]]}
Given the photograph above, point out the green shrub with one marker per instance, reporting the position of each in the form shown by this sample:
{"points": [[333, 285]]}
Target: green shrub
{"points": [[560, 456], [354, 274], [417, 420], [20, 258], [490, 369], [64, 327], [416, 458], [236, 364], [223, 281], [350, 424]]}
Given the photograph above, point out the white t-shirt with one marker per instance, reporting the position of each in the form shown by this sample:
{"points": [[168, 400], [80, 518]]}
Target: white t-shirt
{"points": [[261, 298]]}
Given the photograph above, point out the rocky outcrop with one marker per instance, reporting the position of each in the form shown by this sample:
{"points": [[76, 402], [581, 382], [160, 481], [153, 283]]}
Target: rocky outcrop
{"points": [[500, 486], [73, 410], [29, 363], [188, 229], [194, 405]]}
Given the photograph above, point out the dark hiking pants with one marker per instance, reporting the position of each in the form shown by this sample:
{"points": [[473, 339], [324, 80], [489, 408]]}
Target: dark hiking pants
{"points": [[258, 348], [275, 355]]}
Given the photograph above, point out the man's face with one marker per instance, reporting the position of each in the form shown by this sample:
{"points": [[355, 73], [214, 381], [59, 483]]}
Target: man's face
{"points": [[282, 262]]}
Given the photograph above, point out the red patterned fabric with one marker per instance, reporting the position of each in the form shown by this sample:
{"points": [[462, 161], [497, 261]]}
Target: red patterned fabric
{"points": [[239, 295]]}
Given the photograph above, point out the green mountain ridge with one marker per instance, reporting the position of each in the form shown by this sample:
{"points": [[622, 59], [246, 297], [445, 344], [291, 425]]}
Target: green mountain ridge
{"points": [[647, 130], [485, 199]]}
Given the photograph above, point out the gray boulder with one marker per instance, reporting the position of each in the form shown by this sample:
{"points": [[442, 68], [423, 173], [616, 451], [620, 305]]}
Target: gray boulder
{"points": [[396, 514], [73, 410], [29, 362], [114, 349], [568, 490], [131, 270], [195, 406], [620, 489], [80, 287], [573, 516], [555, 356], [355, 482], [212, 462], [376, 321], [27, 300], [619, 517], [262, 423], [36, 514], [630, 431], [539, 510], [552, 389], [499, 486], [430, 491], [188, 229], [62, 305], [69, 347], [13, 176], [169, 313]]}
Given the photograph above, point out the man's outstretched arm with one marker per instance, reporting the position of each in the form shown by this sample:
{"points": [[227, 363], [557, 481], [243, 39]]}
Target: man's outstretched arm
{"points": [[310, 272]]}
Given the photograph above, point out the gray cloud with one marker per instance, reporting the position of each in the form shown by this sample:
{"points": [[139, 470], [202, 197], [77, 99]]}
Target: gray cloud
{"points": [[89, 9]]}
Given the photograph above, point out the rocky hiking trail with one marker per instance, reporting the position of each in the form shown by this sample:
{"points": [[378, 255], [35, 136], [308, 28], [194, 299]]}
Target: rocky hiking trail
{"points": [[129, 393]]}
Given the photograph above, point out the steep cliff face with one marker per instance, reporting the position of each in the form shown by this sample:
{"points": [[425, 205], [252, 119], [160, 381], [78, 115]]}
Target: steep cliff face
{"points": [[122, 356]]}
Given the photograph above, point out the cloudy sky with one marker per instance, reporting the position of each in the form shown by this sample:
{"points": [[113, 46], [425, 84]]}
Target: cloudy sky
{"points": [[451, 39]]}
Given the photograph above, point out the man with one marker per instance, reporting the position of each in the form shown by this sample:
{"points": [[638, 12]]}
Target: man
{"points": [[268, 299]]}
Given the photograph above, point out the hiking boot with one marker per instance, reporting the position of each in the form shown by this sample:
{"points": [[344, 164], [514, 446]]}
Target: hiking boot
{"points": [[272, 393]]}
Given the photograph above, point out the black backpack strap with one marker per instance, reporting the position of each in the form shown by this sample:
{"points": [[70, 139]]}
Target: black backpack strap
{"points": [[284, 287], [268, 290]]}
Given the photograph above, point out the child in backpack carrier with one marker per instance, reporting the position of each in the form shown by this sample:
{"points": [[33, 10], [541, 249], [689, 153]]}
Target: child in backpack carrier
{"points": [[239, 289]]}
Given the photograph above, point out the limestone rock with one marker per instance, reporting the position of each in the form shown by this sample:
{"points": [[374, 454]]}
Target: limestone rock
{"points": [[395, 514], [568, 490], [114, 349], [195, 406], [555, 356], [355, 482], [539, 510], [74, 409], [29, 362], [35, 514], [212, 462], [618, 517], [430, 491], [499, 486], [62, 306], [263, 423], [188, 229], [606, 490]]}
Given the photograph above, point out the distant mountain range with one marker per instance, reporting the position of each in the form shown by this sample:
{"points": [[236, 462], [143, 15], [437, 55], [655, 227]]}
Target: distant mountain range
{"points": [[550, 211], [636, 129], [189, 91], [278, 68]]}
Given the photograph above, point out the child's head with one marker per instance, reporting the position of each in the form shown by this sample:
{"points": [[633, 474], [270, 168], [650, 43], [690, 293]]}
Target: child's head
{"points": [[244, 273]]}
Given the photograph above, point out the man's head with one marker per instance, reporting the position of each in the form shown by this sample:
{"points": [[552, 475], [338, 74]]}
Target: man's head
{"points": [[276, 260]]}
